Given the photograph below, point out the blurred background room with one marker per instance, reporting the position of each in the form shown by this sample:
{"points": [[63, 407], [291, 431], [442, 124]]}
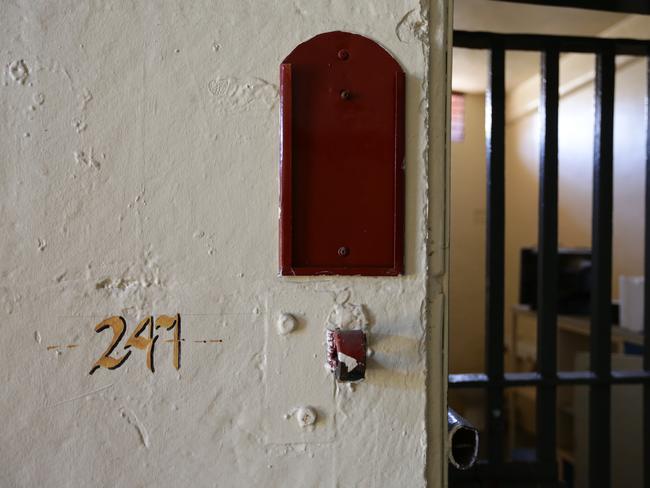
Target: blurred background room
{"points": [[576, 125]]}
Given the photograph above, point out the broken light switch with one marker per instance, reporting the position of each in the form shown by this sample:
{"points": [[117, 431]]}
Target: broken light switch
{"points": [[346, 354]]}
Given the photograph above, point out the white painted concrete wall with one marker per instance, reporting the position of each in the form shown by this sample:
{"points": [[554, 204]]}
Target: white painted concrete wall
{"points": [[139, 175]]}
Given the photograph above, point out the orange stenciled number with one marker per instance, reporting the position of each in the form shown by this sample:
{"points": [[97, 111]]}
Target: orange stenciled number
{"points": [[145, 343], [169, 322], [118, 326]]}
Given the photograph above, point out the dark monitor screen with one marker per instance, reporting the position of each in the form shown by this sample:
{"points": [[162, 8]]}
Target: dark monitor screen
{"points": [[574, 275]]}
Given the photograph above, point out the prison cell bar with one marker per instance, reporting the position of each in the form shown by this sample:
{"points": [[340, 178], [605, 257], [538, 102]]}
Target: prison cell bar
{"points": [[547, 261], [542, 43], [547, 378], [494, 304], [601, 273], [563, 378], [624, 6], [646, 297]]}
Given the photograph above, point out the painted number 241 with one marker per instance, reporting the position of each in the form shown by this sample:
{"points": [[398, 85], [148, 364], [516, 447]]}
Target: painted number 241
{"points": [[137, 340]]}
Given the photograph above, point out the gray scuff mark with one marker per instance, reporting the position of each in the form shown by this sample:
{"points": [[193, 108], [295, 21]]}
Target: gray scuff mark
{"points": [[132, 419], [299, 10], [66, 73], [59, 278], [87, 158], [84, 395], [55, 67], [18, 71], [412, 27], [139, 199], [9, 300], [240, 95], [291, 449], [211, 243], [191, 62], [131, 311], [85, 97], [79, 125]]}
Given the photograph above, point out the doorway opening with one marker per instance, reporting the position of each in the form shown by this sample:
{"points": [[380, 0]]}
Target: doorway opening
{"points": [[549, 248]]}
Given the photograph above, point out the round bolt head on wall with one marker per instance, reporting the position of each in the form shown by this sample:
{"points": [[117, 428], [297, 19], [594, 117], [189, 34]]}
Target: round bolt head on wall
{"points": [[286, 323], [306, 416]]}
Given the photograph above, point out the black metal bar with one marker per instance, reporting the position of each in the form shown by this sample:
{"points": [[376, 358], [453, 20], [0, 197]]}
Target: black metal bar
{"points": [[494, 346], [624, 6], [601, 289], [646, 291], [564, 378], [539, 42], [547, 269]]}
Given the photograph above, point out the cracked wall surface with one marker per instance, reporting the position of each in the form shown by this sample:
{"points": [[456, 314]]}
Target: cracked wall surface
{"points": [[139, 177]]}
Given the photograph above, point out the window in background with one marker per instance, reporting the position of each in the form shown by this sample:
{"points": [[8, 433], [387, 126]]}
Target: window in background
{"points": [[457, 117]]}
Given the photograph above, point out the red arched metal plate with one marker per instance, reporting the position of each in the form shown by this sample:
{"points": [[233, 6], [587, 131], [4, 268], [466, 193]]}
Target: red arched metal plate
{"points": [[342, 152]]}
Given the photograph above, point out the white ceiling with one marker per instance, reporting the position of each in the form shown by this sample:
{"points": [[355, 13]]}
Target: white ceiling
{"points": [[470, 66]]}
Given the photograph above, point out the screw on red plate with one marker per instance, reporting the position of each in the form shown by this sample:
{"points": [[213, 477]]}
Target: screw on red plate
{"points": [[343, 54]]}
